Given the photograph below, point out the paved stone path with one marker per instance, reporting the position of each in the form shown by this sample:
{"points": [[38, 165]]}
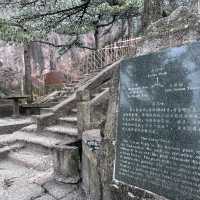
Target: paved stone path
{"points": [[21, 183]]}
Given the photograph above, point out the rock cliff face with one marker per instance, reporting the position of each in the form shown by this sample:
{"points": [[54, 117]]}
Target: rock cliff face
{"points": [[46, 58], [11, 70]]}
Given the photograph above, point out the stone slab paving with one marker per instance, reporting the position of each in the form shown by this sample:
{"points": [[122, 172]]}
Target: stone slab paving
{"points": [[45, 197], [21, 191], [75, 195], [59, 190], [31, 159], [20, 183], [15, 182], [9, 170]]}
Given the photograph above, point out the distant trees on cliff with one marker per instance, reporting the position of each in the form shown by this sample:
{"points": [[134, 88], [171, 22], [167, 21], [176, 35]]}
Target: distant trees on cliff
{"points": [[33, 20]]}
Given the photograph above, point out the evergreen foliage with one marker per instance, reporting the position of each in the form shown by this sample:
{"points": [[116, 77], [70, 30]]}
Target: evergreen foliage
{"points": [[30, 20]]}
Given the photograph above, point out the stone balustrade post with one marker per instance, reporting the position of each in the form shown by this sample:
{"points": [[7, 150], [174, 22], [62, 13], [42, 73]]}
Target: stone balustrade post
{"points": [[66, 164], [84, 110]]}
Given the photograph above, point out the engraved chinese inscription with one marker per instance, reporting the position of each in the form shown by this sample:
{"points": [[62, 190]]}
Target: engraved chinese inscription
{"points": [[158, 139]]}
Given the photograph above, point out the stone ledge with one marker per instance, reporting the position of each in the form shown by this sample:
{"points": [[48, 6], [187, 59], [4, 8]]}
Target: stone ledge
{"points": [[93, 134], [10, 125], [7, 149], [59, 129], [27, 137]]}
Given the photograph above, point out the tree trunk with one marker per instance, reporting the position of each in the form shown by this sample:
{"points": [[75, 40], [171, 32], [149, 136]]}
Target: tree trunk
{"points": [[130, 26], [27, 64], [152, 12], [52, 58], [96, 38]]}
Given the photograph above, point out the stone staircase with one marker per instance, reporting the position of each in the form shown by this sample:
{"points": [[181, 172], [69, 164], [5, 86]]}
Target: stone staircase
{"points": [[56, 97], [53, 142], [38, 149], [53, 148], [56, 146]]}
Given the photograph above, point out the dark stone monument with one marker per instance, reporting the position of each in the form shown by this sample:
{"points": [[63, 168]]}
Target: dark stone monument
{"points": [[158, 139]]}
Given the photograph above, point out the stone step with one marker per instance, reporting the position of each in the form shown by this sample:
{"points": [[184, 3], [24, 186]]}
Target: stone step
{"points": [[35, 140], [51, 133], [45, 110], [63, 130], [74, 110], [8, 148], [70, 121], [30, 159], [7, 122], [31, 128], [41, 116]]}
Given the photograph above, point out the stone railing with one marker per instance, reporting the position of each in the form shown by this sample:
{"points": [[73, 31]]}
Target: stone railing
{"points": [[84, 100], [53, 113], [83, 96], [88, 103], [95, 61], [96, 114]]}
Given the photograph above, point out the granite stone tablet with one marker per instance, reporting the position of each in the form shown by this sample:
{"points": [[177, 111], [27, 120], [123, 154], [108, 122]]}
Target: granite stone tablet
{"points": [[158, 139]]}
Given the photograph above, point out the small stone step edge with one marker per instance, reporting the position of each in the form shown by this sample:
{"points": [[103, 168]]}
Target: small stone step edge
{"points": [[70, 132], [8, 148], [69, 119], [33, 129], [60, 146]]}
